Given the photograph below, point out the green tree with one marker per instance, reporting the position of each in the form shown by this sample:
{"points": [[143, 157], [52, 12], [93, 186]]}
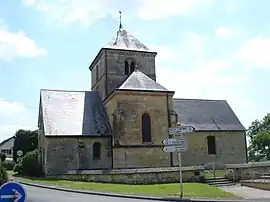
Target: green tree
{"points": [[3, 157], [259, 134], [25, 140]]}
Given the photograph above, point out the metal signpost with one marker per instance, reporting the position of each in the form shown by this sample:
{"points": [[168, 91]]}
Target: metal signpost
{"points": [[179, 145], [12, 191]]}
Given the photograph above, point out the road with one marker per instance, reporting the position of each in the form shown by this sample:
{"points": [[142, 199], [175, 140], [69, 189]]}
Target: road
{"points": [[35, 194]]}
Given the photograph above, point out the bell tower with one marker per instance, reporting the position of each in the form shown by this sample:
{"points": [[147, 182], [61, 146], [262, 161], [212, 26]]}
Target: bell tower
{"points": [[118, 59]]}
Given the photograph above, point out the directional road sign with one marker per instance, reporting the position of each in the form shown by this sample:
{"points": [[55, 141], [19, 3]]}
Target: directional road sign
{"points": [[175, 145], [181, 129], [172, 141], [12, 191], [174, 148]]}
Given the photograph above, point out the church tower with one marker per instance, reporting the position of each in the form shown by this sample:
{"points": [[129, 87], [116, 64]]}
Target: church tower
{"points": [[117, 60]]}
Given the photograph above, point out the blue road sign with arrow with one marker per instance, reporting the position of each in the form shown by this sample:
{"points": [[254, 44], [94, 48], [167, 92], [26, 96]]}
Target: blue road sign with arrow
{"points": [[12, 191]]}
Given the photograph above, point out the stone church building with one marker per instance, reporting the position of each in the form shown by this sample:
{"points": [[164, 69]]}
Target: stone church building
{"points": [[121, 122]]}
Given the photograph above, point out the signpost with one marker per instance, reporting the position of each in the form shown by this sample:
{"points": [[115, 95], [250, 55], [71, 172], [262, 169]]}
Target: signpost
{"points": [[179, 145], [12, 191]]}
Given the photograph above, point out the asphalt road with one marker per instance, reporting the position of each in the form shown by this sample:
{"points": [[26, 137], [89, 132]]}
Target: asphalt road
{"points": [[35, 194]]}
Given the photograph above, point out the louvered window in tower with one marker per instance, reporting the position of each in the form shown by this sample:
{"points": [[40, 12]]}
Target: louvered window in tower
{"points": [[126, 68], [96, 150], [132, 66], [146, 128]]}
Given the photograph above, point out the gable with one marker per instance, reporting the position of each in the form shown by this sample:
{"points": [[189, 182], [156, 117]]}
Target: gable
{"points": [[207, 115], [7, 144], [73, 113], [139, 81]]}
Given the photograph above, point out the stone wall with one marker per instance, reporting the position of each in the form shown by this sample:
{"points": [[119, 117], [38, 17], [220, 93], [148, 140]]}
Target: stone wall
{"points": [[247, 171], [125, 110], [64, 154], [139, 157], [145, 62], [136, 176], [230, 148], [98, 77]]}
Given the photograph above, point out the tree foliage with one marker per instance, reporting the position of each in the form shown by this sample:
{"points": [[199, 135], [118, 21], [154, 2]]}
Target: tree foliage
{"points": [[30, 164], [25, 140], [3, 157], [259, 134]]}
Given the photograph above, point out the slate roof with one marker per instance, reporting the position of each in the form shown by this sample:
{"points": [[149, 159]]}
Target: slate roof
{"points": [[125, 41], [73, 113], [207, 115], [6, 140], [139, 81]]}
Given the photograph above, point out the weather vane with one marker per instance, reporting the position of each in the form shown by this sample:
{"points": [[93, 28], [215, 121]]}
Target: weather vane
{"points": [[120, 25]]}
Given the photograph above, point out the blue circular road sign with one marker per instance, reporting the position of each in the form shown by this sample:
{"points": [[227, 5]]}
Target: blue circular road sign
{"points": [[12, 191]]}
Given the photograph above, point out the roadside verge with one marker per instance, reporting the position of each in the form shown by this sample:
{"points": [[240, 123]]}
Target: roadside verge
{"points": [[130, 196]]}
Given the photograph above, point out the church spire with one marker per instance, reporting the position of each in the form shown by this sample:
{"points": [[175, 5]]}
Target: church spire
{"points": [[120, 20]]}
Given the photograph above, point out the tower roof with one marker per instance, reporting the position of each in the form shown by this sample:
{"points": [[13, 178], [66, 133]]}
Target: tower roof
{"points": [[125, 40], [139, 81]]}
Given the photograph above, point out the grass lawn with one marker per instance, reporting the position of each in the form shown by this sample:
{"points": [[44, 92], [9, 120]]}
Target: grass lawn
{"points": [[190, 189]]}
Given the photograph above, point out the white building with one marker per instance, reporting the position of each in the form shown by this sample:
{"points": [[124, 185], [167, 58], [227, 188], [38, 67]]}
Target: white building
{"points": [[6, 147]]}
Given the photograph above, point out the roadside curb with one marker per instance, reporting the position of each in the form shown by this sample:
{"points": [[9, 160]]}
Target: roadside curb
{"points": [[126, 195]]}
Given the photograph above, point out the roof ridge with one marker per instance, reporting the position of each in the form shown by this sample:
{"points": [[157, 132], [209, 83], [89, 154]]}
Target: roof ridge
{"points": [[201, 99], [60, 90]]}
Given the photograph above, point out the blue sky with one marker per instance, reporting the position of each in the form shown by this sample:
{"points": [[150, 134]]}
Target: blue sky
{"points": [[211, 49]]}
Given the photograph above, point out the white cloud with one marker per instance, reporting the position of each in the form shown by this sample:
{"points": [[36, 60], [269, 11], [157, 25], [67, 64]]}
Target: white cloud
{"points": [[88, 11], [195, 41], [160, 9], [10, 109], [14, 116], [164, 53], [14, 44], [255, 52], [224, 32]]}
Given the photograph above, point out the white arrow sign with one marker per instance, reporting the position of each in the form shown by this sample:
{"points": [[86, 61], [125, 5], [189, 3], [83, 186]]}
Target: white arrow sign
{"points": [[175, 145], [174, 149], [181, 129], [16, 196], [172, 141]]}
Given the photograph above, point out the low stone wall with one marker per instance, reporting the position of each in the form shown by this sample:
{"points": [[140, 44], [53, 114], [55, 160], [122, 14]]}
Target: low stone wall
{"points": [[137, 176], [257, 184], [247, 171]]}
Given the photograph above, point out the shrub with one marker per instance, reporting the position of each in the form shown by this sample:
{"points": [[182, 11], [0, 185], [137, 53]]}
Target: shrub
{"points": [[18, 168], [3, 157], [30, 164], [3, 175], [8, 164]]}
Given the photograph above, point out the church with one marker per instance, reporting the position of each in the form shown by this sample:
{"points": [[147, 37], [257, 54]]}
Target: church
{"points": [[122, 121]]}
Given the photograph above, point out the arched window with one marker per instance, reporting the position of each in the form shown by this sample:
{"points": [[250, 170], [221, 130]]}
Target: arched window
{"points": [[126, 68], [96, 150], [132, 66], [146, 128]]}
